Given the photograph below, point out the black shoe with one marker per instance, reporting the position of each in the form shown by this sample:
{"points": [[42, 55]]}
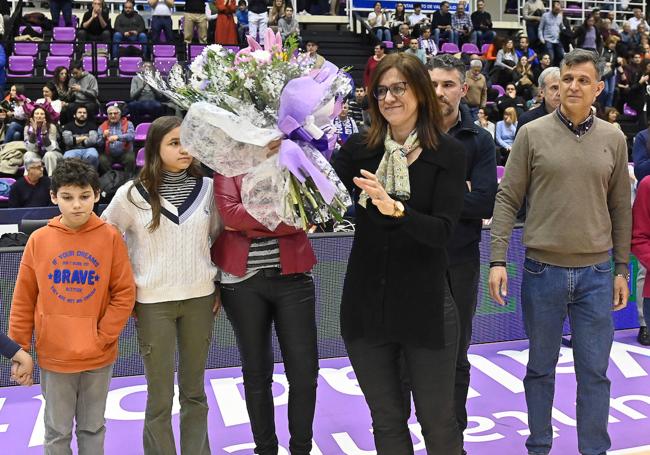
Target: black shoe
{"points": [[643, 337]]}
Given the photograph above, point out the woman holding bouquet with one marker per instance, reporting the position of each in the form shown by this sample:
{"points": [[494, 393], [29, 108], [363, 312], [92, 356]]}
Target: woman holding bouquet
{"points": [[396, 302], [266, 280]]}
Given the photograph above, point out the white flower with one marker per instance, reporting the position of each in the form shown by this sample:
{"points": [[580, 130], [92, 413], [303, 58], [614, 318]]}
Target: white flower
{"points": [[216, 48], [261, 56]]}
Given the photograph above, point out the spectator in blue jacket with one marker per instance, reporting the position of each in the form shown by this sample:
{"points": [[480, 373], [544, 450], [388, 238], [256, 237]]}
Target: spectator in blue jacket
{"points": [[22, 364], [641, 155], [3, 70], [506, 130]]}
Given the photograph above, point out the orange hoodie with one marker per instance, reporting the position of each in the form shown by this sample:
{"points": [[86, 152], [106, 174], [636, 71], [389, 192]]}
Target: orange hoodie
{"points": [[76, 288]]}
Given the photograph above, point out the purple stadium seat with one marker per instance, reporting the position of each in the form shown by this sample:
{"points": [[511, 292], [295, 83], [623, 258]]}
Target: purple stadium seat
{"points": [[485, 48], [449, 48], [139, 158], [102, 65], [54, 61], [627, 110], [470, 48], [501, 170], [65, 34], [61, 49], [164, 65], [36, 28], [129, 66], [141, 131], [30, 49], [164, 50], [388, 44], [136, 45], [9, 181], [573, 9], [20, 66], [88, 48], [499, 89], [195, 50]]}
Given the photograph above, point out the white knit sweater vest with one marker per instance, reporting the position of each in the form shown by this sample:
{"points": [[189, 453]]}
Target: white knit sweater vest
{"points": [[173, 262]]}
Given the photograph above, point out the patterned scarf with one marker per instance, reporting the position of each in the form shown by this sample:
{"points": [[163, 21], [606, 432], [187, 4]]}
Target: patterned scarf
{"points": [[393, 171]]}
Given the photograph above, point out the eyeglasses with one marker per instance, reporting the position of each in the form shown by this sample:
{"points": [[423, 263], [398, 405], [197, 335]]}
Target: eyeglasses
{"points": [[397, 89]]}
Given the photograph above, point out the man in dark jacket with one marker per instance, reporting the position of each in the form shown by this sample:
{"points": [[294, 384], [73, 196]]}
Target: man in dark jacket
{"points": [[96, 24], [33, 190], [129, 27], [448, 77]]}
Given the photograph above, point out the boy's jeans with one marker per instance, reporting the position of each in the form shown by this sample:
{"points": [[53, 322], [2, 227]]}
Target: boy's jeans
{"points": [[586, 293], [79, 397]]}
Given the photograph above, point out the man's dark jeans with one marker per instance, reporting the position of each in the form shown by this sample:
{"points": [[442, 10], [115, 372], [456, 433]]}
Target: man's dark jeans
{"points": [[548, 294]]}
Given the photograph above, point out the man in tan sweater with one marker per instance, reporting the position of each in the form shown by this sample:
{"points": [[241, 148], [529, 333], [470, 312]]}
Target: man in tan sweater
{"points": [[572, 168]]}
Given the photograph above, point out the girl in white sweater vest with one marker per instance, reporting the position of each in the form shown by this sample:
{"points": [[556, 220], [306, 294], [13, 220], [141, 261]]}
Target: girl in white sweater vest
{"points": [[169, 220]]}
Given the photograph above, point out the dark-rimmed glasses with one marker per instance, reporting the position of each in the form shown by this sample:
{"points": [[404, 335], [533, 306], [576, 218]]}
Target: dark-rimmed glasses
{"points": [[397, 89]]}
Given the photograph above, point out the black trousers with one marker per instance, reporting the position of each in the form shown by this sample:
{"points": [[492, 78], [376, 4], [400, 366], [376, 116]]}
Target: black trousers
{"points": [[253, 306], [379, 367], [463, 280]]}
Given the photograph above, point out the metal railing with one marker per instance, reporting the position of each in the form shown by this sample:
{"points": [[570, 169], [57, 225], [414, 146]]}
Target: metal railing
{"points": [[621, 8]]}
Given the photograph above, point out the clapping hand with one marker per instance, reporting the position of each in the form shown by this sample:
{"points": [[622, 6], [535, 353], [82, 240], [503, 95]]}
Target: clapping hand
{"points": [[375, 190]]}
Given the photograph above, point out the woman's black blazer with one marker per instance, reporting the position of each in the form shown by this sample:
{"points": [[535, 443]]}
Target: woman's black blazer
{"points": [[395, 283]]}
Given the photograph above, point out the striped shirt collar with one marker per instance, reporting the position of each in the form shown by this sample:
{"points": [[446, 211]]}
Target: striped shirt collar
{"points": [[580, 129], [174, 177]]}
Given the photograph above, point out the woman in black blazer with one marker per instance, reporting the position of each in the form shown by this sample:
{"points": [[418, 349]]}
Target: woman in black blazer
{"points": [[396, 301]]}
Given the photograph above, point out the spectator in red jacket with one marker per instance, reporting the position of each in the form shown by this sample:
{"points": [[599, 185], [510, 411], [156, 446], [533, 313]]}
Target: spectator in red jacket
{"points": [[373, 61]]}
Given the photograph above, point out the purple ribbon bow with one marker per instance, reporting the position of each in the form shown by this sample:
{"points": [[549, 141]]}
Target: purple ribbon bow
{"points": [[294, 159]]}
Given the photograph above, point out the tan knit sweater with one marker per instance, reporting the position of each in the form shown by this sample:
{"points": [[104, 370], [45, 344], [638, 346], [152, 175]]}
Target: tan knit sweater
{"points": [[578, 194]]}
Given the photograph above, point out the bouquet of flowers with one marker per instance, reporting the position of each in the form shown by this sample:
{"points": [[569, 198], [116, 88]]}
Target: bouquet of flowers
{"points": [[237, 103]]}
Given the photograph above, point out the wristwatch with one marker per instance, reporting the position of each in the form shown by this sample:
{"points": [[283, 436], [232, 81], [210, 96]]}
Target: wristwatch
{"points": [[398, 210]]}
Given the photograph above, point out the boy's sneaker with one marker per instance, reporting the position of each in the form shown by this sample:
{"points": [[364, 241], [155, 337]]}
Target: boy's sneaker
{"points": [[644, 337]]}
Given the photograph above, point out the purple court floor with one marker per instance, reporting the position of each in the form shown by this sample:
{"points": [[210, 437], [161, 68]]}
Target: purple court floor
{"points": [[496, 407]]}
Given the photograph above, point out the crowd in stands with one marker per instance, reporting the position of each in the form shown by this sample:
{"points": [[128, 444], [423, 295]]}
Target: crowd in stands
{"points": [[225, 22], [62, 124], [504, 72], [510, 78]]}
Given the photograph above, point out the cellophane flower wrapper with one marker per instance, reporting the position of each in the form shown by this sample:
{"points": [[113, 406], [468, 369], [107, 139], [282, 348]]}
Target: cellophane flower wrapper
{"points": [[232, 104]]}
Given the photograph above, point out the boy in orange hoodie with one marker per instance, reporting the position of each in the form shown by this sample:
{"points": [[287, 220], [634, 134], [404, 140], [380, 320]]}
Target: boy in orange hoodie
{"points": [[75, 289]]}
